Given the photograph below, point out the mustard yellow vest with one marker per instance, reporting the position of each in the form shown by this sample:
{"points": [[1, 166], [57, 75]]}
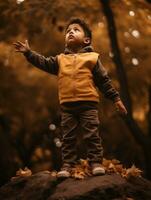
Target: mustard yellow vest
{"points": [[75, 78]]}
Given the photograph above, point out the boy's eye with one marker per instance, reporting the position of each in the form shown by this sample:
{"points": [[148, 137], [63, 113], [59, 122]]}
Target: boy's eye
{"points": [[68, 31], [76, 29]]}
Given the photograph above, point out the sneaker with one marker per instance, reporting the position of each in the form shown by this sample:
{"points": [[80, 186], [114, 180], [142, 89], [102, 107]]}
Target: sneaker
{"points": [[97, 169], [65, 171]]}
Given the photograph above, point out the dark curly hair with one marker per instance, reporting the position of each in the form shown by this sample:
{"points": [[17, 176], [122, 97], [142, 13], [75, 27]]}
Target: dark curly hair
{"points": [[83, 24]]}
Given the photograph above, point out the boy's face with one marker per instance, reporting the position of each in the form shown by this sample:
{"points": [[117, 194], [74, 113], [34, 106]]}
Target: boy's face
{"points": [[75, 36]]}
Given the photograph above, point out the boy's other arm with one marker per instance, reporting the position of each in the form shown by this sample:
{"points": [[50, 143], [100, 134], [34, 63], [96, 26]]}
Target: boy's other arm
{"points": [[49, 64], [103, 82]]}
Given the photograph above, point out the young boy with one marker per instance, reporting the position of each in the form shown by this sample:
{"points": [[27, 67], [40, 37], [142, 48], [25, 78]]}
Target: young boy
{"points": [[79, 71]]}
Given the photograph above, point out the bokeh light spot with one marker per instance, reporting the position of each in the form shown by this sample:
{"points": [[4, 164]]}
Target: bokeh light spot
{"points": [[19, 1], [135, 61], [131, 13], [136, 33], [127, 49]]}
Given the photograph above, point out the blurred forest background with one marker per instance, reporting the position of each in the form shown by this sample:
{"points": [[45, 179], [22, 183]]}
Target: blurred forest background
{"points": [[28, 97]]}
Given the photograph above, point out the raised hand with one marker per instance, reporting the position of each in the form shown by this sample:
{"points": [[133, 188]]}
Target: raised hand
{"points": [[120, 107], [21, 47]]}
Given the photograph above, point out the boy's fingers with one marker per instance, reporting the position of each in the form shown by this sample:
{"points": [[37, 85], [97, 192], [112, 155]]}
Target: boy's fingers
{"points": [[17, 45], [121, 108], [124, 111], [22, 44], [27, 44]]}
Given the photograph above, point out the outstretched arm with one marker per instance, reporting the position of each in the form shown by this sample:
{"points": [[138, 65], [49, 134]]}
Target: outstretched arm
{"points": [[49, 64], [103, 82]]}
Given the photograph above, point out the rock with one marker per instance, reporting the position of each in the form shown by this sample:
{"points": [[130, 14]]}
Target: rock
{"points": [[44, 186]]}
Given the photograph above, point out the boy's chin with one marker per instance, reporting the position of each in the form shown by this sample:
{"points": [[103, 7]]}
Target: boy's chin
{"points": [[71, 44]]}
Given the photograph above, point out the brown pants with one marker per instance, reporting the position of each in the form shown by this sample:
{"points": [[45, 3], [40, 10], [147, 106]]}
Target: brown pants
{"points": [[84, 114]]}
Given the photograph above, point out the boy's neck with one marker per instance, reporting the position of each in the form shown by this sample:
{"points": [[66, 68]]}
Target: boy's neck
{"points": [[75, 49]]}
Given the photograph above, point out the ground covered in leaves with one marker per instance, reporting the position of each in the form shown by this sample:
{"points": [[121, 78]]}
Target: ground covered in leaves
{"points": [[45, 186], [118, 183], [82, 170], [111, 166]]}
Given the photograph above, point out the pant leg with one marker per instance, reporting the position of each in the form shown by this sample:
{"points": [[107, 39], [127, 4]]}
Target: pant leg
{"points": [[69, 124], [90, 123]]}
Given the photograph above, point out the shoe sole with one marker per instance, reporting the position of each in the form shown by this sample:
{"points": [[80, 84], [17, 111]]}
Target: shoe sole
{"points": [[63, 174], [98, 172]]}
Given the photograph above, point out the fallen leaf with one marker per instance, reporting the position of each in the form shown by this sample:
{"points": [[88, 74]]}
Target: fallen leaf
{"points": [[22, 173]]}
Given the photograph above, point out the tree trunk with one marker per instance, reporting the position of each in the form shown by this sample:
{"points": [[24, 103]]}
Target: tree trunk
{"points": [[137, 133]]}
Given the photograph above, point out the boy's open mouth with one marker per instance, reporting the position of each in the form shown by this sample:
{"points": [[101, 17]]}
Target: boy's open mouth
{"points": [[71, 37]]}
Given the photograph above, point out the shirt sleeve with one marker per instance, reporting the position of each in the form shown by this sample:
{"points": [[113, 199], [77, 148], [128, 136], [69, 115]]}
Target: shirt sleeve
{"points": [[47, 64], [103, 82]]}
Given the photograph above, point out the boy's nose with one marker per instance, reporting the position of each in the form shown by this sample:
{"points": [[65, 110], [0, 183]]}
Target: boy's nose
{"points": [[71, 32]]}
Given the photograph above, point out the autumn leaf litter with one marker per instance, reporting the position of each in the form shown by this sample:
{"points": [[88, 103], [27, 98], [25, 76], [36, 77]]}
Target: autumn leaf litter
{"points": [[83, 169]]}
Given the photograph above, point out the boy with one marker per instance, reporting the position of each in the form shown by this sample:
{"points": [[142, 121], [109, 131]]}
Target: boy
{"points": [[79, 71]]}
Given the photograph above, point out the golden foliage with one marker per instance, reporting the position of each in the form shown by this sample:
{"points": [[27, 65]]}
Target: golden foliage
{"points": [[22, 173], [111, 166], [133, 171], [114, 166], [54, 173], [83, 169], [25, 172]]}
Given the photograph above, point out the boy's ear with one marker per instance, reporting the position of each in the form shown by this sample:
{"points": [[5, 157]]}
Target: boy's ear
{"points": [[87, 40]]}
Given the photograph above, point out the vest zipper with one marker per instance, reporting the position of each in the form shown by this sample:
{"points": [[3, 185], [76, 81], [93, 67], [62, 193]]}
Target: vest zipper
{"points": [[73, 76]]}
